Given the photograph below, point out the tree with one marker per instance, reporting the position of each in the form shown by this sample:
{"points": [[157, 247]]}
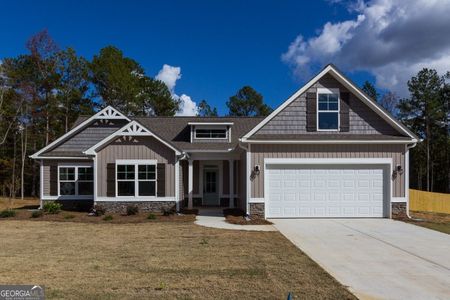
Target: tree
{"points": [[156, 99], [247, 102], [205, 110], [390, 101], [117, 80], [370, 90], [423, 112]]}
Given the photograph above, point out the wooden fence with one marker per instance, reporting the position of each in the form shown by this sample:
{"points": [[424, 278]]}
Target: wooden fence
{"points": [[428, 201]]}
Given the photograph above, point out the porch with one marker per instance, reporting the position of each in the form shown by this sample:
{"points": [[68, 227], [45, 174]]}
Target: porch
{"points": [[208, 182]]}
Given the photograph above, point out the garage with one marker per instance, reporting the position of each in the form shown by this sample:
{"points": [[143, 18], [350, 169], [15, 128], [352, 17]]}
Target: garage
{"points": [[326, 191]]}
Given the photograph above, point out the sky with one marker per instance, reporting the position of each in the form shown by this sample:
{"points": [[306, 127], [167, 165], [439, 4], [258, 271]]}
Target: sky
{"points": [[209, 49]]}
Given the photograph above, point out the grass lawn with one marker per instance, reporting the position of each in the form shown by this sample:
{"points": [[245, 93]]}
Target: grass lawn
{"points": [[435, 221], [157, 260]]}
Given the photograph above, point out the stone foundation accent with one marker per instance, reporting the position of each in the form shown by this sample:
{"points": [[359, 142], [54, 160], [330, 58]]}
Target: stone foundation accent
{"points": [[257, 210], [399, 210], [73, 205], [147, 206]]}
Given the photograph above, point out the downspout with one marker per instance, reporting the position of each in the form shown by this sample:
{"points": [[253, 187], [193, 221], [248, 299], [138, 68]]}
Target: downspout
{"points": [[410, 146]]}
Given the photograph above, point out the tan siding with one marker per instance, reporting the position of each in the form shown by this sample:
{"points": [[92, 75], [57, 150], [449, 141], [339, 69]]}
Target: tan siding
{"points": [[48, 163], [259, 152], [136, 148]]}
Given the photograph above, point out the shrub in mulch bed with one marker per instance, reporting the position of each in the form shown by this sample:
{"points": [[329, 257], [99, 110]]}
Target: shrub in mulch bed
{"points": [[233, 212], [7, 213], [52, 207], [132, 210], [241, 220], [37, 214], [108, 218], [186, 211]]}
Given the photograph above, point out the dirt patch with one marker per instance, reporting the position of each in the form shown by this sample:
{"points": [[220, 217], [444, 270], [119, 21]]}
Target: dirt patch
{"points": [[83, 217], [435, 221], [160, 260]]}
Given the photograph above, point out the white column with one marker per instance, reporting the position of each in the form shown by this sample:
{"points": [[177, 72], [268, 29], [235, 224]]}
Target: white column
{"points": [[190, 183], [231, 164], [177, 183], [41, 186]]}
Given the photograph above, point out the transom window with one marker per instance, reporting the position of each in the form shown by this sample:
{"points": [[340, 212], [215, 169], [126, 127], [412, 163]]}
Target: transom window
{"points": [[210, 133], [76, 181], [135, 179], [327, 110]]}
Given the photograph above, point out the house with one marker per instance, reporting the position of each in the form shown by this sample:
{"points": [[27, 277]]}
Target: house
{"points": [[327, 151]]}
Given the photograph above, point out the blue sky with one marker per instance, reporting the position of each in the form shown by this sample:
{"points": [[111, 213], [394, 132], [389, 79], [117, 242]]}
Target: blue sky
{"points": [[219, 45]]}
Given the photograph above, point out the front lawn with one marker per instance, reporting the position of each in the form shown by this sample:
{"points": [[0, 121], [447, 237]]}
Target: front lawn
{"points": [[158, 260]]}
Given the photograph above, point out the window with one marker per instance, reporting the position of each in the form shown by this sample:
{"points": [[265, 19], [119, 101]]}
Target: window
{"points": [[210, 133], [76, 181], [328, 111], [136, 179]]}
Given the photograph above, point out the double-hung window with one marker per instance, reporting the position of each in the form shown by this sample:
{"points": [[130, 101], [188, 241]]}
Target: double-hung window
{"points": [[210, 133], [136, 178], [328, 110], [76, 181]]}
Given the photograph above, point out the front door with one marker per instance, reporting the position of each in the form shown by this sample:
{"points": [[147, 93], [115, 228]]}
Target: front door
{"points": [[211, 186]]}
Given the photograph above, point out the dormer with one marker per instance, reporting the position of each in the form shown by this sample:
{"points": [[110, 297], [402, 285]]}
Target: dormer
{"points": [[210, 132]]}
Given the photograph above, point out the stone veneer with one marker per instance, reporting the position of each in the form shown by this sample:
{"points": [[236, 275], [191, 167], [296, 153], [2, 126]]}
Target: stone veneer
{"points": [[150, 206], [257, 210], [399, 210]]}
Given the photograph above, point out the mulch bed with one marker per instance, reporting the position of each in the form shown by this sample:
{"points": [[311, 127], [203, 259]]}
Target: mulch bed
{"points": [[236, 216], [83, 217]]}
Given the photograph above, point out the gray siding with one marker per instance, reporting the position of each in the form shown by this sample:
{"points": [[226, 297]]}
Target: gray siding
{"points": [[48, 163], [89, 136], [136, 148], [362, 119], [259, 152]]}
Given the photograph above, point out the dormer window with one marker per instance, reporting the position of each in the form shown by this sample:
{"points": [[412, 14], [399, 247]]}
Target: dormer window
{"points": [[210, 133], [327, 109]]}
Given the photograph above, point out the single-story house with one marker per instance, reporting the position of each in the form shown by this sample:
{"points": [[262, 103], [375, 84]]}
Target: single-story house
{"points": [[327, 151]]}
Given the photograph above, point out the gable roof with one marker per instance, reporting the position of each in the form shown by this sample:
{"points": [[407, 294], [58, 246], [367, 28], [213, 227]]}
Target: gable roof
{"points": [[108, 113], [333, 71]]}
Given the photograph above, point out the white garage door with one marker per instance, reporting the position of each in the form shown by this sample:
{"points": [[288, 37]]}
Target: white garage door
{"points": [[325, 191]]}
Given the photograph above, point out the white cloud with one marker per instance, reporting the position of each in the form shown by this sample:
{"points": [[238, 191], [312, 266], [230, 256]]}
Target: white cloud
{"points": [[169, 75], [392, 40]]}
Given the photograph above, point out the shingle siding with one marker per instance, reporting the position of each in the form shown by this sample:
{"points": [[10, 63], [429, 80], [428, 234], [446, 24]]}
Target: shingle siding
{"points": [[362, 119]]}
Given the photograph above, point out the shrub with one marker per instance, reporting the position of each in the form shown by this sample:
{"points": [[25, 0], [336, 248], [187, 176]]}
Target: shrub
{"points": [[168, 211], [132, 210], [151, 216], [52, 207], [37, 214], [7, 213], [107, 218], [99, 210], [67, 217]]}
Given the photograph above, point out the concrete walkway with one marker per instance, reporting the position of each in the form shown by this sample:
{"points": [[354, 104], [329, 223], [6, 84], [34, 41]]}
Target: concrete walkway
{"points": [[376, 258], [214, 218]]}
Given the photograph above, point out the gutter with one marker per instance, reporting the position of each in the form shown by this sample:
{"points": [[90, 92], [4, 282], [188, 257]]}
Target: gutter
{"points": [[408, 147]]}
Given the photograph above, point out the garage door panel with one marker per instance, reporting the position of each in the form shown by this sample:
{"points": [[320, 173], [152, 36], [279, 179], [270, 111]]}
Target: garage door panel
{"points": [[316, 191]]}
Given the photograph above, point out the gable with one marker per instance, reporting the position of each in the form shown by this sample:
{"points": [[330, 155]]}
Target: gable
{"points": [[292, 119], [97, 130]]}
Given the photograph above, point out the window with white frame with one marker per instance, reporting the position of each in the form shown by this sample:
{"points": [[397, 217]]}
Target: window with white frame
{"points": [[76, 181], [327, 110], [136, 179], [206, 133]]}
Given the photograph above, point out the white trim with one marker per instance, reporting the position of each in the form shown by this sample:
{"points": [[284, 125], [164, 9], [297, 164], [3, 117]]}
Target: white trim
{"points": [[62, 157], [190, 183], [257, 200], [231, 183], [102, 114], [211, 138], [210, 123], [339, 77], [177, 183], [210, 151], [68, 197], [407, 179], [398, 199], [136, 163], [335, 161], [329, 141], [41, 179], [338, 111], [131, 129], [248, 182], [134, 199], [95, 178]]}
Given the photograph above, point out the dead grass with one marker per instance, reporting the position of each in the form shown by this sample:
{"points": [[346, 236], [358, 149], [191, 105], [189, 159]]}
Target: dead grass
{"points": [[172, 260], [435, 221], [27, 203]]}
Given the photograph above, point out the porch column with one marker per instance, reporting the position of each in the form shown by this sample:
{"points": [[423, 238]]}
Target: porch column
{"points": [[190, 183], [231, 164]]}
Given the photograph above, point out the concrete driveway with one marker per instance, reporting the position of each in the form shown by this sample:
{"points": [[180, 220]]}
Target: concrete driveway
{"points": [[376, 258]]}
